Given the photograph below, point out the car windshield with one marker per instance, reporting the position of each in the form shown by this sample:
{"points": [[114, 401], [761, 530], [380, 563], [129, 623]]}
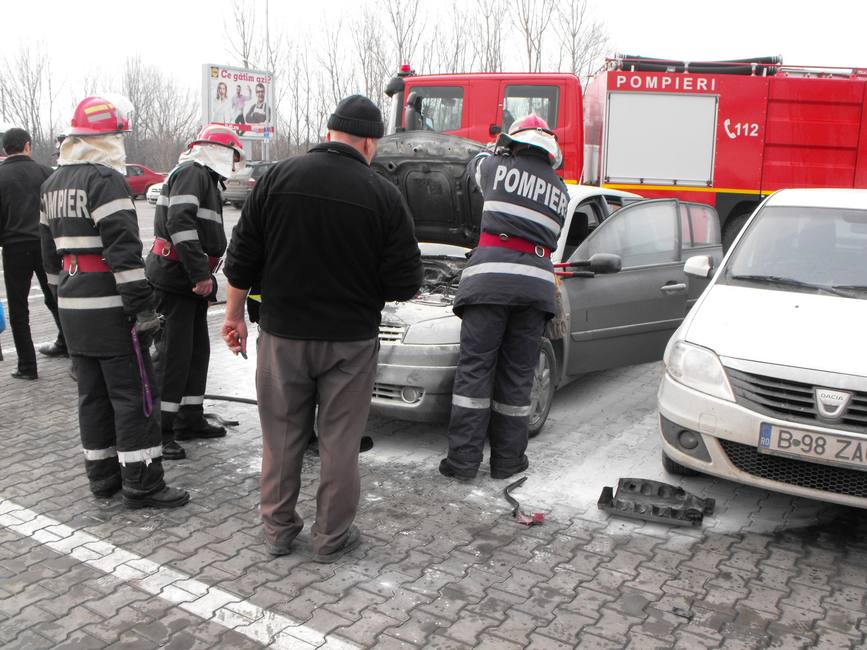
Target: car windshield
{"points": [[811, 249]]}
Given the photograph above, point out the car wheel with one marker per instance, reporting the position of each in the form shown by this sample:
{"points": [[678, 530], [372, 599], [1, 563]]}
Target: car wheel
{"points": [[733, 226], [673, 467], [542, 393]]}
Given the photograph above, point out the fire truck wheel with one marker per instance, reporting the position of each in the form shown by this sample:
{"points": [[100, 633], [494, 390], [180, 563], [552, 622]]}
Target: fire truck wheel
{"points": [[733, 227]]}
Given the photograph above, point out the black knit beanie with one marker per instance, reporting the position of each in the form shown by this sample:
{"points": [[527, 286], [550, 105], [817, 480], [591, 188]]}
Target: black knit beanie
{"points": [[359, 116]]}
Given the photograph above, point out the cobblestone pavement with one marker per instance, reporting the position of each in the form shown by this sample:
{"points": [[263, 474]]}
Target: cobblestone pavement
{"points": [[442, 565]]}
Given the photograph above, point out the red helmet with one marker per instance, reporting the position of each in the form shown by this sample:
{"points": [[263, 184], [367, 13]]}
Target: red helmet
{"points": [[98, 116], [534, 131], [222, 135]]}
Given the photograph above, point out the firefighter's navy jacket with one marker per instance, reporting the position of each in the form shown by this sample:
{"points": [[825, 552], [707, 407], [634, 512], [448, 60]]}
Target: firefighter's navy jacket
{"points": [[87, 209], [189, 214], [524, 198]]}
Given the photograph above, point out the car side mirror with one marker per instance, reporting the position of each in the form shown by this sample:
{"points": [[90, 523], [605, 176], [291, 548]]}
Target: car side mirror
{"points": [[605, 263], [699, 266]]}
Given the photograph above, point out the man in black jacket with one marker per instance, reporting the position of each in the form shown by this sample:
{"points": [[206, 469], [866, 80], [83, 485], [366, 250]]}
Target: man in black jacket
{"points": [[331, 241], [189, 242], [20, 179]]}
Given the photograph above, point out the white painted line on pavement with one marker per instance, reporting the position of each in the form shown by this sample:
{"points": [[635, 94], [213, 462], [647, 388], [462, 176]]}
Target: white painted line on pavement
{"points": [[198, 598]]}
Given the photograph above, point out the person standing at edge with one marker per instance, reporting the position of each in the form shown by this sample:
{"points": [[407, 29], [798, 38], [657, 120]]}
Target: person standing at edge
{"points": [[506, 294], [331, 240], [20, 179], [189, 242], [106, 307]]}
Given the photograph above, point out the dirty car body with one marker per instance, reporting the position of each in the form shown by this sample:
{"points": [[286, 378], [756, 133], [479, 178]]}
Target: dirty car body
{"points": [[604, 322]]}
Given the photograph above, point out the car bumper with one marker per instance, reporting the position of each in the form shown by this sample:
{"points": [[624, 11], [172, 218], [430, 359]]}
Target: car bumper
{"points": [[235, 195], [414, 382], [729, 436]]}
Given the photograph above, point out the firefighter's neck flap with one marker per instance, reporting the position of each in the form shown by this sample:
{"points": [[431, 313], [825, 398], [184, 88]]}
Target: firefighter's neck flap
{"points": [[215, 157], [105, 150]]}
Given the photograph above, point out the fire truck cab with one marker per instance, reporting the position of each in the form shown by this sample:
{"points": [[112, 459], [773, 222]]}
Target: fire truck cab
{"points": [[724, 133], [479, 106]]}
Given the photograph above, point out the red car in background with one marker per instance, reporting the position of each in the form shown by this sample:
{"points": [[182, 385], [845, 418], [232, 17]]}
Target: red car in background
{"points": [[140, 178]]}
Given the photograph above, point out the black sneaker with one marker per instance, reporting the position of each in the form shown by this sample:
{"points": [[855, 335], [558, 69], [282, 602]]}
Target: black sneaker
{"points": [[173, 451], [351, 541], [23, 374], [447, 470], [504, 473], [168, 497], [55, 349], [204, 430]]}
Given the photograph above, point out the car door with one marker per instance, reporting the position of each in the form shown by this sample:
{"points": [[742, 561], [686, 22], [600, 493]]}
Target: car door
{"points": [[134, 179], [627, 317], [700, 235]]}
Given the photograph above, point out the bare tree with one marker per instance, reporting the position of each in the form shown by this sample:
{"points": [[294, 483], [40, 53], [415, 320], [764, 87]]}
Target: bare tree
{"points": [[583, 41], [531, 18], [369, 52], [28, 96], [241, 32], [407, 27], [485, 29], [448, 45]]}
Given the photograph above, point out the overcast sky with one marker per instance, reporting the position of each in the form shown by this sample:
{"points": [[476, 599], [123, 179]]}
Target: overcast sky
{"points": [[180, 35]]}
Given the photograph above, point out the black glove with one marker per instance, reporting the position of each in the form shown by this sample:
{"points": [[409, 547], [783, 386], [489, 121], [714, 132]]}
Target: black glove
{"points": [[148, 322]]}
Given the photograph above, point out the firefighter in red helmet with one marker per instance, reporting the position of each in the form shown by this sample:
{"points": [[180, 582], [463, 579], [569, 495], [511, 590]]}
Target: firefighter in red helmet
{"points": [[92, 255], [189, 242], [506, 294]]}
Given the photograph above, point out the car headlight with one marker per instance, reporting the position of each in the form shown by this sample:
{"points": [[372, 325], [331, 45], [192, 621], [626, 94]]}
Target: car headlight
{"points": [[698, 368], [438, 331]]}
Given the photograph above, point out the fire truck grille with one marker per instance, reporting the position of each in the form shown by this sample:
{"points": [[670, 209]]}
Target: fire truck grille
{"points": [[793, 401], [391, 334], [826, 478]]}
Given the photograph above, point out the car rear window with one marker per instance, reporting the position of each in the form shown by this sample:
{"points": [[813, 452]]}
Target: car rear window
{"points": [[259, 170]]}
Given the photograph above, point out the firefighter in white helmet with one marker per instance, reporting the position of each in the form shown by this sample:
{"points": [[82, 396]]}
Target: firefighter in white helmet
{"points": [[92, 254], [190, 240], [506, 294]]}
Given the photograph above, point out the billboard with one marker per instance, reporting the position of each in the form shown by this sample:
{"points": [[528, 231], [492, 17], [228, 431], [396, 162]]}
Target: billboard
{"points": [[239, 98]]}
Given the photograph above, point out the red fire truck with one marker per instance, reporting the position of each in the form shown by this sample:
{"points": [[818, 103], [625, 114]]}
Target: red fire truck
{"points": [[725, 134], [478, 106]]}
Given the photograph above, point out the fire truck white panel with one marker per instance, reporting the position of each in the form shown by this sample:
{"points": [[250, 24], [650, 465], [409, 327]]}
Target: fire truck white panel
{"points": [[660, 138]]}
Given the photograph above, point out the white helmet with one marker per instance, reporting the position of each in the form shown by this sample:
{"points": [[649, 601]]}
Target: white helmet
{"points": [[533, 130]]}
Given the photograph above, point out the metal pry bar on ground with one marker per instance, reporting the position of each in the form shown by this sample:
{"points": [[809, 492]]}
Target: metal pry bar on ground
{"points": [[535, 520], [655, 501]]}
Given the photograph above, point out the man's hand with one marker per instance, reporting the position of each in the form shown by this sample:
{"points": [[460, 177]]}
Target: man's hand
{"points": [[234, 333], [204, 287]]}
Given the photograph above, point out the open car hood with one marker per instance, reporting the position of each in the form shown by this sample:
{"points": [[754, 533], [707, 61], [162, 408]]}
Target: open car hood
{"points": [[429, 169]]}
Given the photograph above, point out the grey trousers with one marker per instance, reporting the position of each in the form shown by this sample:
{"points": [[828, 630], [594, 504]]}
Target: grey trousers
{"points": [[290, 376]]}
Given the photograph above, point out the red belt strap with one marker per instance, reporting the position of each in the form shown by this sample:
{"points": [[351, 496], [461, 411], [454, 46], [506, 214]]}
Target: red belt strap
{"points": [[514, 243], [165, 249], [73, 263]]}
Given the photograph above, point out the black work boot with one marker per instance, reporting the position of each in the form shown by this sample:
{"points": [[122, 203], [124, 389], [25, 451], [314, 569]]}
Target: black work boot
{"points": [[173, 451], [201, 429], [168, 497], [54, 349], [501, 470], [104, 476], [446, 469], [144, 487]]}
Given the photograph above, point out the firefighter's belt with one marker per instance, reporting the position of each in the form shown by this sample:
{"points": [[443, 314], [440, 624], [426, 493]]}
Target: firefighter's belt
{"points": [[73, 263], [514, 243], [164, 248]]}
